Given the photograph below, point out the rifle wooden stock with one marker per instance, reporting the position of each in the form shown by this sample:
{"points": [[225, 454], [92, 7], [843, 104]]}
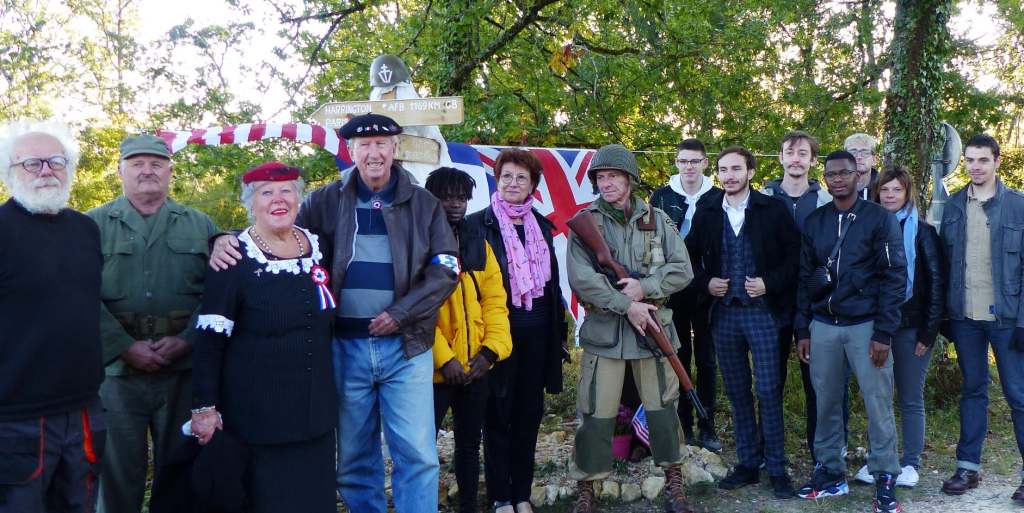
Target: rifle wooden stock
{"points": [[586, 229]]}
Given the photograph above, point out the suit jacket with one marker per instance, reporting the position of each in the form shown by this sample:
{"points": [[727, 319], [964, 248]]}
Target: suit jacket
{"points": [[774, 239]]}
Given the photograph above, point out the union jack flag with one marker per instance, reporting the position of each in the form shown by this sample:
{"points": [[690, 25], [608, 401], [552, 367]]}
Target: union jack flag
{"points": [[564, 188]]}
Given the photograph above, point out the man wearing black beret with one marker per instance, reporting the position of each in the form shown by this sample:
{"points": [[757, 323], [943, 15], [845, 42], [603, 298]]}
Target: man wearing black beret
{"points": [[394, 262]]}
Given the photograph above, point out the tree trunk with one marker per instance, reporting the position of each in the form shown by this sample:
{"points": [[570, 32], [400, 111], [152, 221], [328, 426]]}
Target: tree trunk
{"points": [[920, 52]]}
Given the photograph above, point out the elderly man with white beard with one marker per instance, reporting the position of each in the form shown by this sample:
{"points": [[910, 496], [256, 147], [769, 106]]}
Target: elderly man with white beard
{"points": [[51, 425]]}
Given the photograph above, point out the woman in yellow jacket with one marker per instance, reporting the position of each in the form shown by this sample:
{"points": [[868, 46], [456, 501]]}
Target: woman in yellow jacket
{"points": [[472, 333]]}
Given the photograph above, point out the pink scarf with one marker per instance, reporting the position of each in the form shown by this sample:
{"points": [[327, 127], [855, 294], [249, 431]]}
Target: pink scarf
{"points": [[529, 267]]}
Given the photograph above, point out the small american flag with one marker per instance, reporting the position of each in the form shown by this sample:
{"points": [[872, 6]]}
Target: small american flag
{"points": [[639, 423]]}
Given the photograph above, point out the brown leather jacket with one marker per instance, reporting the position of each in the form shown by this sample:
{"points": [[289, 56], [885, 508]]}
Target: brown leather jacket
{"points": [[418, 231]]}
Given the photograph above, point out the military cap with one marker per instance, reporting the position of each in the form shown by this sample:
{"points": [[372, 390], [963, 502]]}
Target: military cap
{"points": [[369, 125], [144, 144]]}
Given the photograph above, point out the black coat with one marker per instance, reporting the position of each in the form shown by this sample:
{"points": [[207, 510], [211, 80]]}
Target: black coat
{"points": [[925, 308], [870, 273], [484, 224], [773, 237]]}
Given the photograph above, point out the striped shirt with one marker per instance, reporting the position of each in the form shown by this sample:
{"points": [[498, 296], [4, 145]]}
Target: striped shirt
{"points": [[369, 284]]}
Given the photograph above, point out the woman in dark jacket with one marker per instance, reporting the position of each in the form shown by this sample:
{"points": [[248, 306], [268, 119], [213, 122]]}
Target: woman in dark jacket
{"points": [[522, 242], [921, 313], [263, 366]]}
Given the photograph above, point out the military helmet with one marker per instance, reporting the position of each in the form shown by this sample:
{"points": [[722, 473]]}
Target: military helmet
{"points": [[388, 70], [614, 156]]}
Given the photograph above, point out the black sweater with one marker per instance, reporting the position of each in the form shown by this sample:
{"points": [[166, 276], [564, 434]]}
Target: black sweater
{"points": [[50, 357]]}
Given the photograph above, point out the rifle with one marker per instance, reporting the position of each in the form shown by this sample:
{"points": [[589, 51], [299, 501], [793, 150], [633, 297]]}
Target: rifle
{"points": [[585, 227]]}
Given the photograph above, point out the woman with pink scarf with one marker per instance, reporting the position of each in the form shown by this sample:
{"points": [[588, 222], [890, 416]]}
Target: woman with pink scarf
{"points": [[521, 239]]}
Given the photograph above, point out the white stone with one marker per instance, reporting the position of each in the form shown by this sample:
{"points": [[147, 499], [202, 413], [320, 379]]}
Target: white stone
{"points": [[537, 495], [685, 451], [630, 492], [609, 490], [652, 486], [453, 490], [564, 492], [550, 494], [694, 473], [713, 459], [717, 470]]}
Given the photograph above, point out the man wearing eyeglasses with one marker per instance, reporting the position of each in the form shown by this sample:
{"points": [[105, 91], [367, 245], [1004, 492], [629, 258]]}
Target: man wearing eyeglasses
{"points": [[863, 146], [154, 262], [680, 199], [851, 318], [51, 422]]}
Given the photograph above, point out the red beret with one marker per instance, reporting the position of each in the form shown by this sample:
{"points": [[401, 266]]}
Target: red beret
{"points": [[270, 172]]}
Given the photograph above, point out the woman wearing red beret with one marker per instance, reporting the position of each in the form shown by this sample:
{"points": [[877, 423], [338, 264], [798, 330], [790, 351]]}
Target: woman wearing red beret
{"points": [[262, 368]]}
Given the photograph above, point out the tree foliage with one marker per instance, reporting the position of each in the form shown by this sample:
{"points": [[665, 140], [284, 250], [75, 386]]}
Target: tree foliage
{"points": [[556, 73]]}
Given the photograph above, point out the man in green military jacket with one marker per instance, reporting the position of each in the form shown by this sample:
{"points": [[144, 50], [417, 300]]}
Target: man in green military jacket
{"points": [[643, 239], [154, 261]]}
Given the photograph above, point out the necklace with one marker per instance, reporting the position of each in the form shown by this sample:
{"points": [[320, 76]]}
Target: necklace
{"points": [[265, 247]]}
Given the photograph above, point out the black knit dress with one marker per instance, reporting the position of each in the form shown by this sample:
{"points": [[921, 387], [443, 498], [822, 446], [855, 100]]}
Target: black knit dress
{"points": [[263, 357]]}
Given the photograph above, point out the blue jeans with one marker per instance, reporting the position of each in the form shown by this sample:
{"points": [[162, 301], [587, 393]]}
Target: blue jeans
{"points": [[972, 339], [909, 372], [377, 383]]}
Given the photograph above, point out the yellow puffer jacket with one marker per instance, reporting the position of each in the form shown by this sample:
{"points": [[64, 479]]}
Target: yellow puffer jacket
{"points": [[474, 316]]}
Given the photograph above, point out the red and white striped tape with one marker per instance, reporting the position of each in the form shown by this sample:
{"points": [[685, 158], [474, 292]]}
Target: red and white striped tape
{"points": [[248, 132]]}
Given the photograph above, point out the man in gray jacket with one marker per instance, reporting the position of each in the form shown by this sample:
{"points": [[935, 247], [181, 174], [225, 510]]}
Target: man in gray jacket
{"points": [[393, 263], [983, 232]]}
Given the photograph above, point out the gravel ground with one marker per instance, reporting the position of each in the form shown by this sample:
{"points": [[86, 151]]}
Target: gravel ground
{"points": [[555, 448]]}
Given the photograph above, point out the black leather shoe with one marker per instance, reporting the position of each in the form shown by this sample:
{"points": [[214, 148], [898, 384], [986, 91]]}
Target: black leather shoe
{"points": [[961, 481], [782, 487], [709, 441], [739, 477], [1018, 494]]}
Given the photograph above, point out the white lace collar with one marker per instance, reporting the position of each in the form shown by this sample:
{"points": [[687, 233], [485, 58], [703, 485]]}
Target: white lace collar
{"points": [[291, 265]]}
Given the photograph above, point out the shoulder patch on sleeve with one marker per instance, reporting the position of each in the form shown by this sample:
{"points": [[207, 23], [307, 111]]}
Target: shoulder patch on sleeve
{"points": [[449, 261]]}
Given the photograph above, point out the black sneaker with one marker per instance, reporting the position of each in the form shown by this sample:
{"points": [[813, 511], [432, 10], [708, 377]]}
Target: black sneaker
{"points": [[824, 484], [782, 487], [739, 477], [885, 494]]}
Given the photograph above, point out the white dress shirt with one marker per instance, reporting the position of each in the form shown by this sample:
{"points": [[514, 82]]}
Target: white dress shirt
{"points": [[736, 215]]}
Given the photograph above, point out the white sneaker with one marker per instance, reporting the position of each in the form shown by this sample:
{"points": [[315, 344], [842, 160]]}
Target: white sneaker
{"points": [[864, 476], [908, 477]]}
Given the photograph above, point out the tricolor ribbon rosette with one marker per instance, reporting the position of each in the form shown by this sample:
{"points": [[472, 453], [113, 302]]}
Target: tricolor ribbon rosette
{"points": [[321, 278]]}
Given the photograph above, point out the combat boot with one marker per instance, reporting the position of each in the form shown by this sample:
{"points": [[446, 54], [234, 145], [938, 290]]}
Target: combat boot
{"points": [[675, 499], [585, 497]]}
